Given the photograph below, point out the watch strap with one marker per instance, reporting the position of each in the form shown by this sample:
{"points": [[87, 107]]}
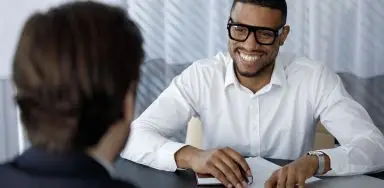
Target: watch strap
{"points": [[321, 157]]}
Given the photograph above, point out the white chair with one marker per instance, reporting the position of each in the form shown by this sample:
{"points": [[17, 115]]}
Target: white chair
{"points": [[194, 133]]}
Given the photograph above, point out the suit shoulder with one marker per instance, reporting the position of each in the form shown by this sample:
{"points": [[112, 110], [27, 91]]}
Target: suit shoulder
{"points": [[5, 169], [121, 184], [11, 177]]}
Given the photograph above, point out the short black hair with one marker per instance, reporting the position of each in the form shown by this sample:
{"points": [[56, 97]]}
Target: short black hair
{"points": [[72, 69], [273, 4]]}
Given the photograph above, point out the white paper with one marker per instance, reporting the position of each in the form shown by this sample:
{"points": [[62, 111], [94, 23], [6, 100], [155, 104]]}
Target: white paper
{"points": [[263, 169]]}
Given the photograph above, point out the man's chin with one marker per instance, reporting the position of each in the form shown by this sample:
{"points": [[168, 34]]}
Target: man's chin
{"points": [[252, 73], [248, 74]]}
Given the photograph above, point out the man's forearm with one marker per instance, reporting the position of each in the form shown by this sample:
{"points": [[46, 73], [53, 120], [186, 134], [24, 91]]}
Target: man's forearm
{"points": [[184, 156]]}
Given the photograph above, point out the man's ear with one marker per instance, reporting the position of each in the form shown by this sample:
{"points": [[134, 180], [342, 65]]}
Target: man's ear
{"points": [[284, 34]]}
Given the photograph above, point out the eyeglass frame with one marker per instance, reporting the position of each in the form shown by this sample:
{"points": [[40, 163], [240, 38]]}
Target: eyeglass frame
{"points": [[253, 29]]}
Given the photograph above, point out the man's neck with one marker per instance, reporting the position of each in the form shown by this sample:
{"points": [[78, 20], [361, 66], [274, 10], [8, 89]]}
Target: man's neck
{"points": [[106, 164], [257, 82]]}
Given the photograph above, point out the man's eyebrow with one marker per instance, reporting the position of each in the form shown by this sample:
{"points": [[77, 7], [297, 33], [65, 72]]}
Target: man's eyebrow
{"points": [[271, 27]]}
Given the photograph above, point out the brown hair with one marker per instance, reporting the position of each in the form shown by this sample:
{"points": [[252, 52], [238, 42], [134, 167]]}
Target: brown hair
{"points": [[72, 68]]}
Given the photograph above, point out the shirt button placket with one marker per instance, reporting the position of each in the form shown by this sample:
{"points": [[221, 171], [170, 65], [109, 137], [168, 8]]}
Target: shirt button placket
{"points": [[254, 121], [257, 126]]}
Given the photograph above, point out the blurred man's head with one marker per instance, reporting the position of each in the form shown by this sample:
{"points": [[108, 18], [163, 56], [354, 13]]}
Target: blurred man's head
{"points": [[256, 30], [75, 67]]}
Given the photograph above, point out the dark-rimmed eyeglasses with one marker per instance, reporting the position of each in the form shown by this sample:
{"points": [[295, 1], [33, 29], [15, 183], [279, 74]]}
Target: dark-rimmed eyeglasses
{"points": [[263, 35]]}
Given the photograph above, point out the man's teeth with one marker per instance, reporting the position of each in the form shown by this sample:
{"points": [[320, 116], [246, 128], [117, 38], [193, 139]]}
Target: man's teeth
{"points": [[249, 57]]}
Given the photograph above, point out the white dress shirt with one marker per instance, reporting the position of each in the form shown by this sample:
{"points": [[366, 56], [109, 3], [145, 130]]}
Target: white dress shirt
{"points": [[278, 121]]}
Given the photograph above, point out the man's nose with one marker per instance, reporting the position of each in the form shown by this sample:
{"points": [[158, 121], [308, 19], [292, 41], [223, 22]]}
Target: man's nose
{"points": [[251, 43]]}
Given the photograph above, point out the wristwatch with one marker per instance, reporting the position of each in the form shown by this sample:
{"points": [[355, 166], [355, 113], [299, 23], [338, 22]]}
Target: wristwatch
{"points": [[321, 156]]}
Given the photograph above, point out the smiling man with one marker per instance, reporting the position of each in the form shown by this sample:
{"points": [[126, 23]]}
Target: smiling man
{"points": [[255, 101]]}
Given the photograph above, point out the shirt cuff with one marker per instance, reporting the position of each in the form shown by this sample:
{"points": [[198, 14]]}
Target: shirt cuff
{"points": [[338, 161], [166, 155]]}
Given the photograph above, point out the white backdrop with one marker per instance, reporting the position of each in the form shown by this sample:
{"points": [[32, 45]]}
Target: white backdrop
{"points": [[13, 13], [181, 31], [345, 34]]}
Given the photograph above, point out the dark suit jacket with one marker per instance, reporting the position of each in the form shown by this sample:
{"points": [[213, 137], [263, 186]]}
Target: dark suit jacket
{"points": [[37, 168]]}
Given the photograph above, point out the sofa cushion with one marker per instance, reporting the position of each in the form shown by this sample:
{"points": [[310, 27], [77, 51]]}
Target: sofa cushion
{"points": [[156, 75], [369, 92]]}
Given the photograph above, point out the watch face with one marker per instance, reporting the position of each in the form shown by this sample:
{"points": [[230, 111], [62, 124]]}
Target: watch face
{"points": [[311, 153], [317, 153]]}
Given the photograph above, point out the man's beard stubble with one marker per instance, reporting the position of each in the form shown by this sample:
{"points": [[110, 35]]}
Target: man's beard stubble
{"points": [[254, 74]]}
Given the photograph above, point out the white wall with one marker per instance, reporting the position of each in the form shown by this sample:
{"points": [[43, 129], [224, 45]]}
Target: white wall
{"points": [[13, 14]]}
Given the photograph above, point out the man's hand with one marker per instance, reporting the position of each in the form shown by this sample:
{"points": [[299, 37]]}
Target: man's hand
{"points": [[294, 173], [224, 164]]}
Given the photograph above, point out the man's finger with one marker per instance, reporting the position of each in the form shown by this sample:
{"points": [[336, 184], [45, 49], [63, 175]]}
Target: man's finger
{"points": [[226, 170], [239, 160], [272, 181], [300, 180], [219, 175], [282, 177], [235, 168], [291, 178]]}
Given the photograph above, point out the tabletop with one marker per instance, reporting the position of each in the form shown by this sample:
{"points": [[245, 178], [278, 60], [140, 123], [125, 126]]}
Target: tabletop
{"points": [[144, 176]]}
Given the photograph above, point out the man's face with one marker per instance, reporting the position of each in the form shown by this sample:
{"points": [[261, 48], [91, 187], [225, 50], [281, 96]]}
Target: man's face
{"points": [[249, 56]]}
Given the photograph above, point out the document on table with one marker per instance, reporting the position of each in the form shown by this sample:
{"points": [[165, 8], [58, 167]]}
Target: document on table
{"points": [[261, 171]]}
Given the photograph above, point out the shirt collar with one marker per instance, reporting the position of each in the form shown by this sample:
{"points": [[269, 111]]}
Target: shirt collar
{"points": [[230, 76], [278, 74], [279, 77]]}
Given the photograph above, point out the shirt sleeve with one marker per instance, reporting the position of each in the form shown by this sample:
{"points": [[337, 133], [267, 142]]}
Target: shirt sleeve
{"points": [[361, 147], [149, 142]]}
